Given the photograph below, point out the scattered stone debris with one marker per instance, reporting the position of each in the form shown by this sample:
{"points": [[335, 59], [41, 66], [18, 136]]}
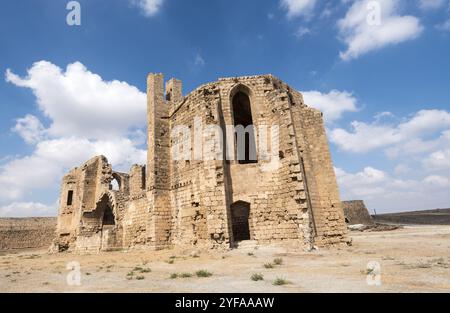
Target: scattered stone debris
{"points": [[374, 228]]}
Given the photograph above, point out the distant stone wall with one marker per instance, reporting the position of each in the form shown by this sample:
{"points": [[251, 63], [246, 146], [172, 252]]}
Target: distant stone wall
{"points": [[356, 213], [26, 233]]}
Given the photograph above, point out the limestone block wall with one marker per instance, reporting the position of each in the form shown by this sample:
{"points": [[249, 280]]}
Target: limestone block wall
{"points": [[26, 233], [186, 195], [158, 161], [197, 186], [321, 184], [275, 214], [356, 213]]}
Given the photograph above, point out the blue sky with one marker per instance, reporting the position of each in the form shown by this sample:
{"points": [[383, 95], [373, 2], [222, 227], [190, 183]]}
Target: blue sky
{"points": [[69, 92]]}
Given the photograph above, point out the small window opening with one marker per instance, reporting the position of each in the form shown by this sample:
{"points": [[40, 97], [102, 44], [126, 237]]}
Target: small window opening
{"points": [[70, 197]]}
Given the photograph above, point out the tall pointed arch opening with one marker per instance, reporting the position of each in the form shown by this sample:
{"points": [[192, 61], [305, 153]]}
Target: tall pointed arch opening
{"points": [[245, 144]]}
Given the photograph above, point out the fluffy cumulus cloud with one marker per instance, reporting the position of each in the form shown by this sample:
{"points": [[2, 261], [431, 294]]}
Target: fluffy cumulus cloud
{"points": [[438, 160], [27, 209], [332, 104], [148, 7], [88, 116], [45, 167], [417, 147], [370, 25], [66, 96], [407, 135], [29, 128], [298, 7], [385, 193]]}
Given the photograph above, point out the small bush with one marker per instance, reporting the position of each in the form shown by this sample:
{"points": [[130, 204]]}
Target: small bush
{"points": [[250, 254], [268, 265], [203, 273], [170, 261], [173, 275], [140, 277], [185, 275], [257, 277], [278, 261], [145, 270], [280, 282]]}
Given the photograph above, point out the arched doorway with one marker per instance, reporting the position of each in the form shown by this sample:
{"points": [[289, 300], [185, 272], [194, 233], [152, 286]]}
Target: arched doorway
{"points": [[244, 129], [104, 210], [240, 213]]}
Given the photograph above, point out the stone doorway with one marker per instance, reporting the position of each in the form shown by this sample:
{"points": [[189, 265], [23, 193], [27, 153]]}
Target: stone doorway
{"points": [[108, 224], [240, 213]]}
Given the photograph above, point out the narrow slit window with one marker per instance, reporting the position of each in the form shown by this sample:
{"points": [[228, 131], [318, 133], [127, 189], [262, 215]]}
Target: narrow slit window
{"points": [[70, 197]]}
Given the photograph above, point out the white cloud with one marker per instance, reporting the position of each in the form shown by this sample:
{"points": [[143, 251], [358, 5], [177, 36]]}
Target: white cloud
{"points": [[199, 61], [298, 7], [302, 31], [332, 104], [65, 96], [444, 26], [149, 7], [46, 165], [362, 33], [436, 180], [408, 134], [384, 193], [29, 128], [431, 4], [88, 116], [27, 209], [421, 146], [438, 160]]}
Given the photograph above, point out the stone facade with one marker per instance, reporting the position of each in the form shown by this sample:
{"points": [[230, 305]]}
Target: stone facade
{"points": [[192, 194], [26, 233], [355, 213]]}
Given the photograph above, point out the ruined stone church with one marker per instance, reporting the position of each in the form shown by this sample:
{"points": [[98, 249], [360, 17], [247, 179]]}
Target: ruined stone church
{"points": [[187, 196]]}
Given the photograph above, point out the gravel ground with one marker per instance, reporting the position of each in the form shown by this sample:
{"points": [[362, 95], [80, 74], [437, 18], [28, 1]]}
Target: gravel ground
{"points": [[412, 259]]}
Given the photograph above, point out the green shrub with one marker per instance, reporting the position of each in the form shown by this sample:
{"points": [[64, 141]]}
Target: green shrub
{"points": [[278, 261], [280, 282], [257, 277], [203, 273]]}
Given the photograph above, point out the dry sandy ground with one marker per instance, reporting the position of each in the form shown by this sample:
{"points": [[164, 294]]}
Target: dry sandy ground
{"points": [[413, 259]]}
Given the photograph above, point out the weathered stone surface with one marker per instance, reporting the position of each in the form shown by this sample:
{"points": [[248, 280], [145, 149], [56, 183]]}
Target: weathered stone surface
{"points": [[356, 213], [26, 233], [192, 199]]}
